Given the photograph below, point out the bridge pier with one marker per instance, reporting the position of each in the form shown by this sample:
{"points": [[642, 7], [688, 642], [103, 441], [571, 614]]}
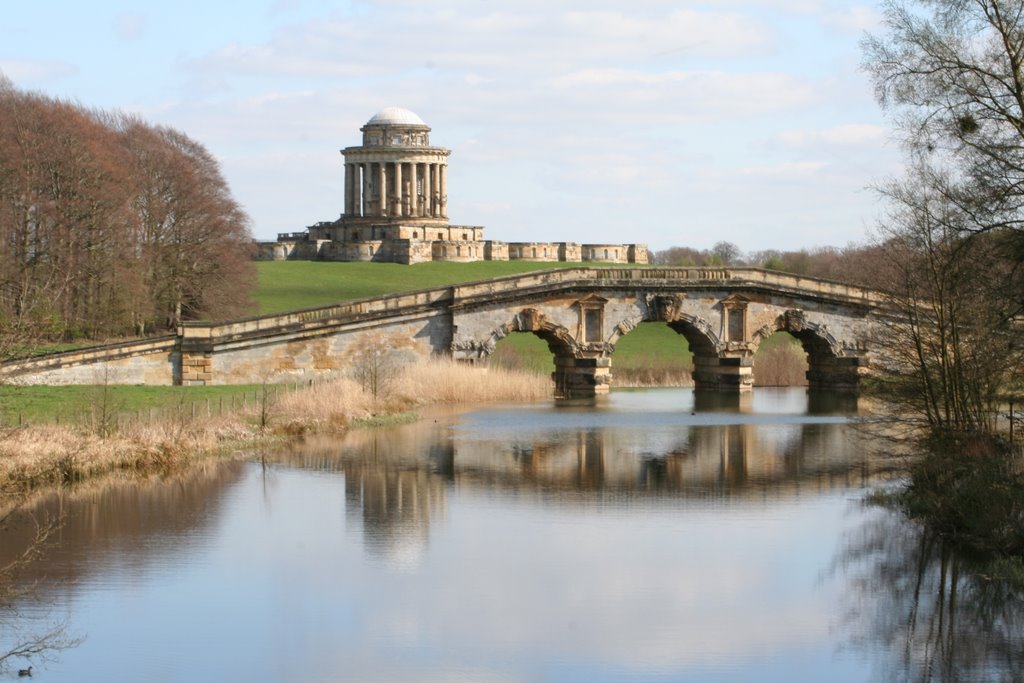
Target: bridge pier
{"points": [[726, 375], [195, 358], [581, 377], [836, 373]]}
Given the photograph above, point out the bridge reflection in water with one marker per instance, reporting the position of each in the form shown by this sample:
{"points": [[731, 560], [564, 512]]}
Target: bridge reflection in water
{"points": [[650, 519], [397, 480]]}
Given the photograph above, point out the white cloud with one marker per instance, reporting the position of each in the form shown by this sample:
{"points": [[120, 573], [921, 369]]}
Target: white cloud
{"points": [[851, 134], [799, 169], [130, 26], [853, 19], [36, 71], [579, 118]]}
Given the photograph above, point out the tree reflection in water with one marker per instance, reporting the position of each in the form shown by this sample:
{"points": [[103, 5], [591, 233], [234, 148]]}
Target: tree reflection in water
{"points": [[930, 614]]}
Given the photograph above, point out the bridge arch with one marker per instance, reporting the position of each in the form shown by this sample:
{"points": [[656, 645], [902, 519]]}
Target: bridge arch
{"points": [[532, 320], [704, 344], [572, 371], [828, 364]]}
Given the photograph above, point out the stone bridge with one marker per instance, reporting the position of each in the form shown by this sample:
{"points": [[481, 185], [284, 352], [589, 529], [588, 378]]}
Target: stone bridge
{"points": [[582, 313]]}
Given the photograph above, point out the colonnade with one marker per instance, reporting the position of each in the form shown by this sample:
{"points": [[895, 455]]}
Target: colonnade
{"points": [[398, 189]]}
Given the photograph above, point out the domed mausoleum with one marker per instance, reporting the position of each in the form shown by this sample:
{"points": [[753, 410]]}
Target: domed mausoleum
{"points": [[396, 209]]}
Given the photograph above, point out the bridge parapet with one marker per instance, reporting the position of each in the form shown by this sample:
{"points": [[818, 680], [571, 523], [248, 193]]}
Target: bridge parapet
{"points": [[517, 286], [581, 312]]}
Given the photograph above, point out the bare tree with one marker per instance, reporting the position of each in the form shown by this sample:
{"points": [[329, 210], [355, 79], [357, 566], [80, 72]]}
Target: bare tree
{"points": [[955, 343], [193, 237], [375, 360], [950, 73], [110, 226], [726, 253]]}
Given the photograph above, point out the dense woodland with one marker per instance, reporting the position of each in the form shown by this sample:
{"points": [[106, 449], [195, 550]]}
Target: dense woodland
{"points": [[110, 226]]}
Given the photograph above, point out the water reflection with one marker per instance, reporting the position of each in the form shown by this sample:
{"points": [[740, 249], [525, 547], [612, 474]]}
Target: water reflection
{"points": [[115, 529], [926, 613], [671, 447], [652, 536], [120, 521]]}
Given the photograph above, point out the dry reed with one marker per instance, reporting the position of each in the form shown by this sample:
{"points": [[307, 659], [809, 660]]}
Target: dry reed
{"points": [[781, 366], [442, 381], [653, 373], [41, 455], [341, 402]]}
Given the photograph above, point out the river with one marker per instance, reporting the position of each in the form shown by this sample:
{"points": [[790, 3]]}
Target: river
{"points": [[645, 536]]}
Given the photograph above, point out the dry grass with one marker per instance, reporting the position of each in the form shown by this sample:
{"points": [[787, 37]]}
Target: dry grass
{"points": [[41, 455], [448, 382], [651, 371], [784, 365], [341, 402]]}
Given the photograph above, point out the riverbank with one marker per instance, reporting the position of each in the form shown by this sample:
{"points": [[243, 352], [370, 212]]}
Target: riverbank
{"points": [[34, 456]]}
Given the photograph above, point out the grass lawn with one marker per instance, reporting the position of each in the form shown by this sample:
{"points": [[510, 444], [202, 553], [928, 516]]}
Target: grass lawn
{"points": [[650, 345], [71, 403], [288, 285]]}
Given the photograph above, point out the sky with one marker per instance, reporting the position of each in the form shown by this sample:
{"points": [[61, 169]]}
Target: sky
{"points": [[670, 123]]}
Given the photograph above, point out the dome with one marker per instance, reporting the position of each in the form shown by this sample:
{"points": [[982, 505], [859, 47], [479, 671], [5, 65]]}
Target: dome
{"points": [[395, 116]]}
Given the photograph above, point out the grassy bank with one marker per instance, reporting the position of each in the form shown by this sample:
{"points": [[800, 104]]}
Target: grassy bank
{"points": [[287, 285], [47, 454], [83, 404]]}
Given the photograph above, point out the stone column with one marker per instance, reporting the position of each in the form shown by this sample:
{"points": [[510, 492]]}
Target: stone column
{"points": [[399, 188], [382, 189], [195, 357], [346, 207], [364, 209], [428, 197], [414, 200], [443, 191], [348, 190]]}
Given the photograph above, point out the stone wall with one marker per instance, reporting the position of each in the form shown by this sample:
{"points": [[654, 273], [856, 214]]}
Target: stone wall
{"points": [[150, 362], [418, 243]]}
